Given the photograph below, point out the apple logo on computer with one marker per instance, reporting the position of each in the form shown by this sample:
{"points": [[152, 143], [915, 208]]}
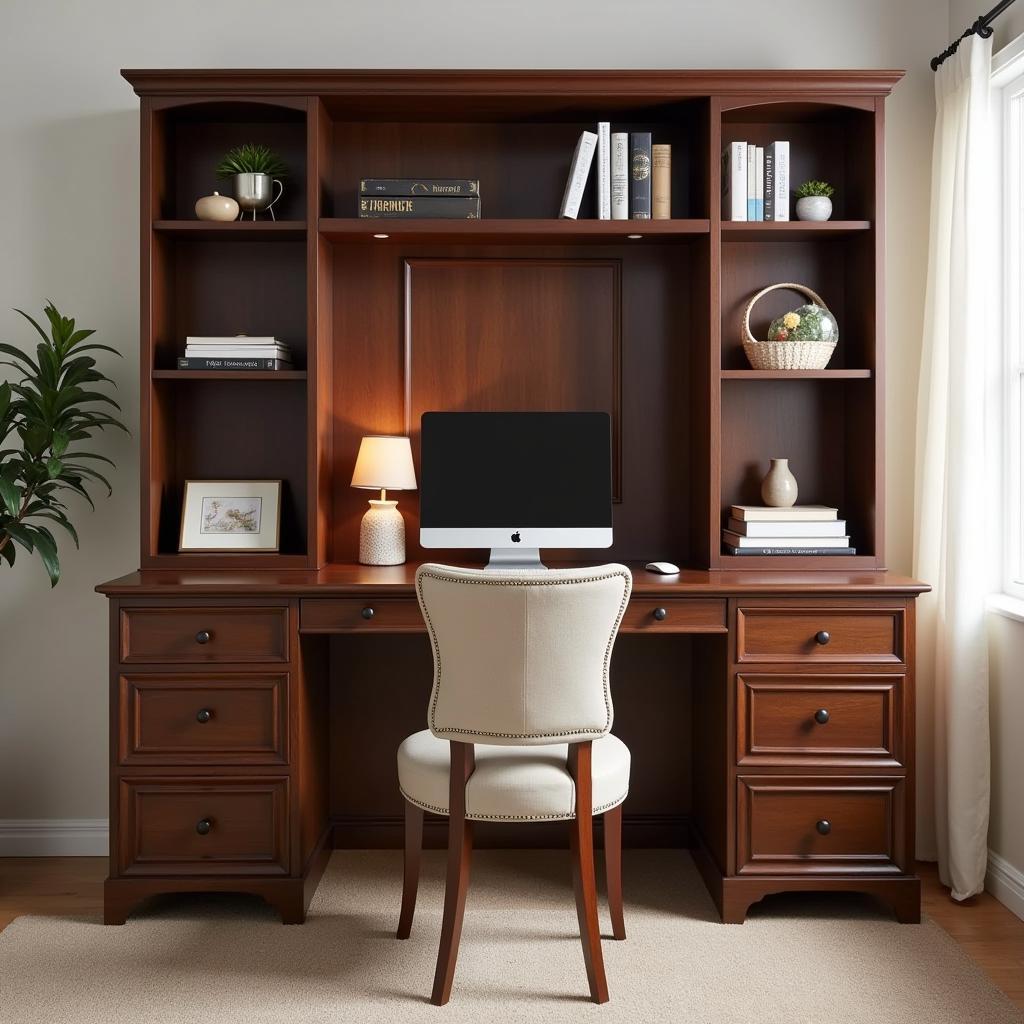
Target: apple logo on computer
{"points": [[516, 538]]}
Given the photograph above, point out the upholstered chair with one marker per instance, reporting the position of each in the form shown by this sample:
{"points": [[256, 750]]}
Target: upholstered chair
{"points": [[520, 720]]}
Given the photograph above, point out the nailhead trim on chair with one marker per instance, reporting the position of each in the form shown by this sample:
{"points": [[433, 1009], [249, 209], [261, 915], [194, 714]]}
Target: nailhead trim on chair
{"points": [[512, 817], [533, 582]]}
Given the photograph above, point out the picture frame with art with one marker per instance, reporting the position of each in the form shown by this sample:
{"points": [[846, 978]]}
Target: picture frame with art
{"points": [[231, 515]]}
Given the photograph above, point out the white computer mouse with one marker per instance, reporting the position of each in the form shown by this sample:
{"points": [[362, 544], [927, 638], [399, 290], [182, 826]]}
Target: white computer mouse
{"points": [[662, 568]]}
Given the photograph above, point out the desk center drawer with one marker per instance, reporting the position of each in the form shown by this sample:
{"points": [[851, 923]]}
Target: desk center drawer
{"points": [[674, 615], [825, 633], [361, 615], [203, 634], [207, 719]]}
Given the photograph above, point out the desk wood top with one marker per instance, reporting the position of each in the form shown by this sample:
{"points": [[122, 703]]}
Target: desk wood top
{"points": [[350, 579]]}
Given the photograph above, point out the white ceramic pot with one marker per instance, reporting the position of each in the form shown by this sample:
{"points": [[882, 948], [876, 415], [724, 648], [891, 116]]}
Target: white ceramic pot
{"points": [[778, 489], [216, 207], [382, 535], [813, 208]]}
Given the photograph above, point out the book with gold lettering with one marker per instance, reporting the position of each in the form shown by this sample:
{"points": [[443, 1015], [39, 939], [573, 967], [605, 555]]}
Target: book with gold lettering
{"points": [[419, 187], [447, 207]]}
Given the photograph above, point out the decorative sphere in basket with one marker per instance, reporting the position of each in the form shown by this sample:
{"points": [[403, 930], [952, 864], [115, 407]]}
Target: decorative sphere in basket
{"points": [[802, 339]]}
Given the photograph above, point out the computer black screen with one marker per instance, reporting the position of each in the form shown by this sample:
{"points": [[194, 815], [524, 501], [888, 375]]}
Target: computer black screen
{"points": [[522, 469]]}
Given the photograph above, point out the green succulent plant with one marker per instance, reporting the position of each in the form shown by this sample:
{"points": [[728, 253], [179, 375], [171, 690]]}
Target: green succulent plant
{"points": [[50, 405], [251, 158], [815, 188]]}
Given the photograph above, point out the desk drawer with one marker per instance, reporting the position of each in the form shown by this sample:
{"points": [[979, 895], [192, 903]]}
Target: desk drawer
{"points": [[357, 615], [825, 633], [196, 635], [811, 825], [674, 615], [199, 826], [207, 719], [826, 720]]}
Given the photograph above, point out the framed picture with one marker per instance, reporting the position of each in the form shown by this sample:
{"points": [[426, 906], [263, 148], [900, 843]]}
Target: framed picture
{"points": [[231, 515]]}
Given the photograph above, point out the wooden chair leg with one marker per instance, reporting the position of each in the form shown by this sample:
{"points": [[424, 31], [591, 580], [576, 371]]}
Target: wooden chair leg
{"points": [[613, 868], [411, 875], [460, 846], [582, 844]]}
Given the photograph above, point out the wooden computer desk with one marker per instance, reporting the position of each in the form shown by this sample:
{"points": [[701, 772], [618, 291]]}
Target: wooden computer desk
{"points": [[239, 700]]}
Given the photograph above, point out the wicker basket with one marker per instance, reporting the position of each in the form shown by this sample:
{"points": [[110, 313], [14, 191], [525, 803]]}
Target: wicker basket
{"points": [[786, 355]]}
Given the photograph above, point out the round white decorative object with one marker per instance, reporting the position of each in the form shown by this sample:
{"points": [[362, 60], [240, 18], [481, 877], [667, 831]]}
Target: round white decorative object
{"points": [[813, 208], [778, 489], [382, 535], [216, 207]]}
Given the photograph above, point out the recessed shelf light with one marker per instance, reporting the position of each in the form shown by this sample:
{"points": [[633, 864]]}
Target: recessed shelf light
{"points": [[634, 237], [381, 236]]}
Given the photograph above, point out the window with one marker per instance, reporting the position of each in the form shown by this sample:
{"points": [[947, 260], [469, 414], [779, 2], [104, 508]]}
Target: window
{"points": [[1008, 97]]}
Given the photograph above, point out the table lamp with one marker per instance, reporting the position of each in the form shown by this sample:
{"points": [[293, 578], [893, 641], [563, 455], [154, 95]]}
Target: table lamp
{"points": [[383, 462]]}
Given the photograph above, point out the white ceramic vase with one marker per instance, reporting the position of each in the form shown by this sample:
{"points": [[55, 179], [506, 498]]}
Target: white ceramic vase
{"points": [[813, 208], [382, 534], [778, 488], [216, 207]]}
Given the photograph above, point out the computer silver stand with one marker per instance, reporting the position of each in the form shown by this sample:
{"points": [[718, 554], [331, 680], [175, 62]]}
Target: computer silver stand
{"points": [[515, 559]]}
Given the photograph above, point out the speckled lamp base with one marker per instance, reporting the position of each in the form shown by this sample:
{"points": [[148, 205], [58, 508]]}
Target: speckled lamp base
{"points": [[382, 535]]}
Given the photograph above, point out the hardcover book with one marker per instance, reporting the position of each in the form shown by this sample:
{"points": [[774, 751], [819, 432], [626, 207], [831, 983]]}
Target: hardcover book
{"points": [[197, 363], [734, 181], [803, 513], [780, 185], [579, 171], [229, 352], [759, 183], [661, 182], [640, 175], [789, 528], [815, 552], [446, 207], [739, 541], [604, 171], [620, 176], [751, 184], [419, 187], [769, 184]]}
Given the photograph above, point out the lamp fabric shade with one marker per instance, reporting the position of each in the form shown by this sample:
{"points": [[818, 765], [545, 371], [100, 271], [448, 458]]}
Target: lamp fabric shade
{"points": [[385, 462]]}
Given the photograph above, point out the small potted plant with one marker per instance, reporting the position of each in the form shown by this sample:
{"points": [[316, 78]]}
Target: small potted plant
{"points": [[814, 200], [254, 170]]}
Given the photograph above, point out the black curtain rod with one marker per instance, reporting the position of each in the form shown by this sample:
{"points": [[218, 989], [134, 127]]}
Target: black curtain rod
{"points": [[982, 27]]}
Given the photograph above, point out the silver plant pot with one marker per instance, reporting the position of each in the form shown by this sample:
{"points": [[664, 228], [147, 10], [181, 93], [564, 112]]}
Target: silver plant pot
{"points": [[254, 193]]}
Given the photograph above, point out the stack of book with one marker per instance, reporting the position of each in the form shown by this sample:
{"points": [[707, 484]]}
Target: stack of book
{"points": [[449, 198], [800, 530], [634, 176], [755, 181], [240, 352]]}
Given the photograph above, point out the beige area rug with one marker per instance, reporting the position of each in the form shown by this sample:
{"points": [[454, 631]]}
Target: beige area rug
{"points": [[201, 958]]}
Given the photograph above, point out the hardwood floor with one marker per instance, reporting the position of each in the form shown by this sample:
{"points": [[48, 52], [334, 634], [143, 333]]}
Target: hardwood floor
{"points": [[990, 935]]}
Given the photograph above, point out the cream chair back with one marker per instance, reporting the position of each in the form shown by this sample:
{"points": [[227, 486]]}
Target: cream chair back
{"points": [[522, 658]]}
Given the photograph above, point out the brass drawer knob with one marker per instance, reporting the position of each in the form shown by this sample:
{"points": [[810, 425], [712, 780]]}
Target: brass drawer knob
{"points": [[203, 636], [823, 827], [821, 716], [822, 636], [367, 613], [203, 715], [203, 826], [661, 614]]}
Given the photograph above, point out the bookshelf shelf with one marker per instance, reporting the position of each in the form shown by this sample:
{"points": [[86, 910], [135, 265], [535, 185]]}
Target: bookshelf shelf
{"points": [[797, 230], [796, 374], [195, 375], [509, 230], [240, 230]]}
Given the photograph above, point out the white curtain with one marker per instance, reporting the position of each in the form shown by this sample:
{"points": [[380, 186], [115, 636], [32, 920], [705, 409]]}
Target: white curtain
{"points": [[955, 519]]}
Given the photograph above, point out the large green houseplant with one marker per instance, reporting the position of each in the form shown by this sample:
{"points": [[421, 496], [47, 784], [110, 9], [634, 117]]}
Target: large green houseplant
{"points": [[50, 410]]}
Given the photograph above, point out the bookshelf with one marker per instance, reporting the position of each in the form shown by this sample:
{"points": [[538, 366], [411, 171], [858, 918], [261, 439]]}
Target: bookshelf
{"points": [[552, 313]]}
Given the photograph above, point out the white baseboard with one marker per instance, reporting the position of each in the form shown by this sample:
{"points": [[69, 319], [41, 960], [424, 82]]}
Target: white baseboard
{"points": [[1006, 883], [54, 837]]}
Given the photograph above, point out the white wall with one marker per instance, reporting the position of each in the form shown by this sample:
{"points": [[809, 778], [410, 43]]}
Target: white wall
{"points": [[68, 224]]}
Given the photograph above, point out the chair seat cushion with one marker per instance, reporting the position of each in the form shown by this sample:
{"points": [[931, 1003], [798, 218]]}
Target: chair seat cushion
{"points": [[530, 783]]}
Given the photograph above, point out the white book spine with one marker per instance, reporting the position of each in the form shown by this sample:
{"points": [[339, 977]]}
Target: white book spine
{"points": [[237, 353], [620, 176], [751, 187], [734, 181], [234, 339], [578, 173], [759, 183], [781, 180], [604, 171]]}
